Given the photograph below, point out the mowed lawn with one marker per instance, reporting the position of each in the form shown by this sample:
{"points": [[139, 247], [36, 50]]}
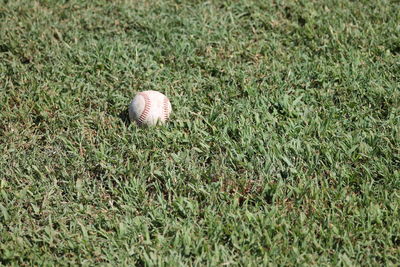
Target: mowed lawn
{"points": [[283, 147]]}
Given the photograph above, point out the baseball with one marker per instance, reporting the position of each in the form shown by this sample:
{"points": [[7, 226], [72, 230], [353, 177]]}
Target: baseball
{"points": [[149, 108]]}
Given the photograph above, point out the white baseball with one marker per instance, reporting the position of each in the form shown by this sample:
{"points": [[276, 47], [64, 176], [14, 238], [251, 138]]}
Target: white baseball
{"points": [[150, 108]]}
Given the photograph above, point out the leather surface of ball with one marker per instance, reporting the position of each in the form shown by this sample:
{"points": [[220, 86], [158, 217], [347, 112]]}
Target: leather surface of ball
{"points": [[149, 108]]}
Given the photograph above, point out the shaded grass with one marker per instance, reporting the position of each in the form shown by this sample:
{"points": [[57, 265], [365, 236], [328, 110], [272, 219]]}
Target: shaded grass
{"points": [[283, 146]]}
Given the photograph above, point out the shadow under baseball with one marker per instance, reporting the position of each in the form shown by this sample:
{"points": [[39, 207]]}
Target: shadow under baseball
{"points": [[124, 116]]}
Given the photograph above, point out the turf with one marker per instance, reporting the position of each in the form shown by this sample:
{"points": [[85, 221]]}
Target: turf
{"points": [[283, 147]]}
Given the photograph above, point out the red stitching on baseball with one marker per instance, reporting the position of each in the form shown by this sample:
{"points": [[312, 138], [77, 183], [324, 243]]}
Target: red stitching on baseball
{"points": [[147, 105], [165, 108]]}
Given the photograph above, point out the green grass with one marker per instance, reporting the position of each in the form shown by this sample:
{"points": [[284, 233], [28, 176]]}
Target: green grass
{"points": [[283, 147]]}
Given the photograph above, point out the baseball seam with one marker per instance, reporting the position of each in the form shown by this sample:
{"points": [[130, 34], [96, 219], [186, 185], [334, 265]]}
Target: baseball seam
{"points": [[146, 110], [165, 108]]}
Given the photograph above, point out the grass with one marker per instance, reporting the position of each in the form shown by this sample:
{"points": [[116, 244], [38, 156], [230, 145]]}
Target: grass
{"points": [[283, 147]]}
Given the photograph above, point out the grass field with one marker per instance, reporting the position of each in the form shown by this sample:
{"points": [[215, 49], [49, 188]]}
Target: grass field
{"points": [[283, 147]]}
